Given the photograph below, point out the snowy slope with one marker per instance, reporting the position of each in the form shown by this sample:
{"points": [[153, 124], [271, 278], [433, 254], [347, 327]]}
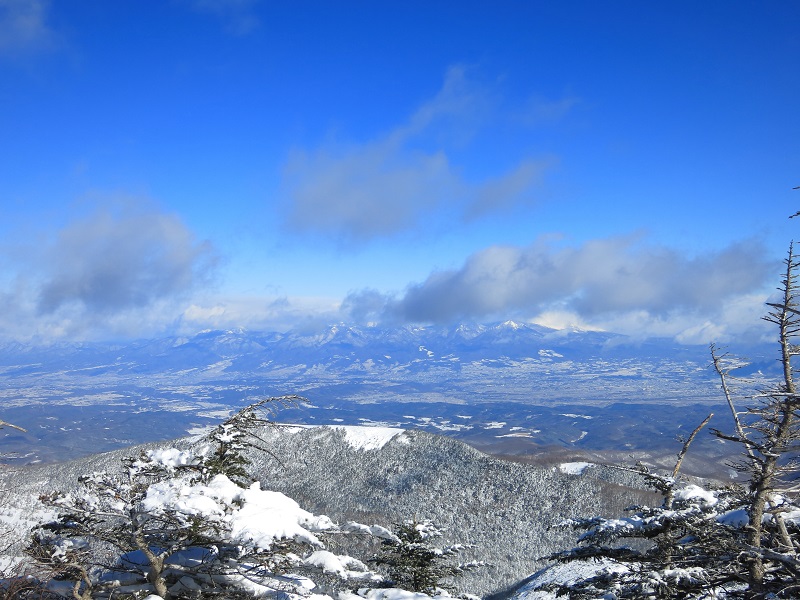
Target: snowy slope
{"points": [[385, 475], [368, 438], [507, 509]]}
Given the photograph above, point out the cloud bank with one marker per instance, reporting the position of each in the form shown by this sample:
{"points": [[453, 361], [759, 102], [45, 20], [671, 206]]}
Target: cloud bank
{"points": [[140, 273], [617, 281]]}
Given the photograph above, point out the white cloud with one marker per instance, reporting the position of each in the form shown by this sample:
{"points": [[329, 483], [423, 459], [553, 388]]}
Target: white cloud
{"points": [[616, 284], [405, 178], [119, 272], [454, 114], [368, 192], [517, 186], [109, 262], [203, 314], [258, 313], [563, 319]]}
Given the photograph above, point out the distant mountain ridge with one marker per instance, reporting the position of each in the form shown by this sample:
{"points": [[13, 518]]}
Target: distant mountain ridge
{"points": [[346, 342]]}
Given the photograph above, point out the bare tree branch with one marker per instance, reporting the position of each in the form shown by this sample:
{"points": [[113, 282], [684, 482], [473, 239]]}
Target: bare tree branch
{"points": [[7, 424]]}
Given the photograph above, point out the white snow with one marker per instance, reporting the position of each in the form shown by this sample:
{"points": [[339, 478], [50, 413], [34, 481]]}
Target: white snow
{"points": [[199, 430], [574, 468], [342, 565], [215, 414], [327, 561], [368, 438], [254, 517], [692, 492], [734, 518], [563, 573], [387, 594], [171, 457], [375, 530], [445, 425]]}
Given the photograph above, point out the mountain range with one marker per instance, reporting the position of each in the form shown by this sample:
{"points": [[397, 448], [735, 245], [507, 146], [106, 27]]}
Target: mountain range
{"points": [[507, 388]]}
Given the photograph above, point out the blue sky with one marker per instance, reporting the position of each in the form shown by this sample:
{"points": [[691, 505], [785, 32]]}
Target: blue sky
{"points": [[172, 166]]}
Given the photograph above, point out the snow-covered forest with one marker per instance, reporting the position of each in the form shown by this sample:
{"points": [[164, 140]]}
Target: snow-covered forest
{"points": [[502, 512]]}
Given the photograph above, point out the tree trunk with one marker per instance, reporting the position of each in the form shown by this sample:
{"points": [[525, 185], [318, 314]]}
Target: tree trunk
{"points": [[156, 562], [781, 422]]}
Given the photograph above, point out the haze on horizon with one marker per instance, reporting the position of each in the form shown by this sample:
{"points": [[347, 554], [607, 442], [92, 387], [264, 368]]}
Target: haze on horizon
{"points": [[177, 166]]}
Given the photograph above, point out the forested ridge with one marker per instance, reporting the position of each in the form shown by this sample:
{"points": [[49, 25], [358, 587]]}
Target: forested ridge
{"points": [[507, 511]]}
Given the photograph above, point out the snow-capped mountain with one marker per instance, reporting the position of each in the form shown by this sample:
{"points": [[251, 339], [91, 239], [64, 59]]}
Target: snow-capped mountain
{"points": [[339, 342]]}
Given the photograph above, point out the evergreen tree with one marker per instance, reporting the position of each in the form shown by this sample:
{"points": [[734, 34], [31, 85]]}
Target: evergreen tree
{"points": [[174, 523], [232, 438], [414, 562]]}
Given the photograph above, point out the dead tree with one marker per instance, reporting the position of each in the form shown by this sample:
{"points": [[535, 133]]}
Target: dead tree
{"points": [[742, 540], [770, 435]]}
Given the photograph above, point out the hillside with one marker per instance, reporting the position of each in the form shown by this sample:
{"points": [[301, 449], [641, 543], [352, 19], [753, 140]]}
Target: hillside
{"points": [[381, 476], [506, 509]]}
